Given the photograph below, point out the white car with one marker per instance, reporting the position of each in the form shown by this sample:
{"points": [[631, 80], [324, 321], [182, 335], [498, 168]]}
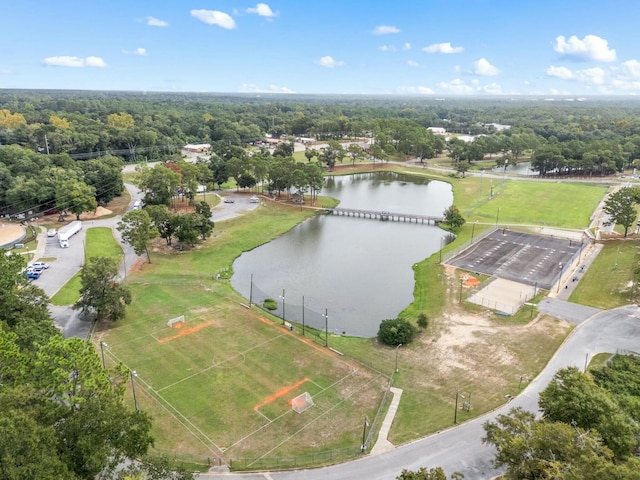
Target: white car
{"points": [[52, 233], [39, 265]]}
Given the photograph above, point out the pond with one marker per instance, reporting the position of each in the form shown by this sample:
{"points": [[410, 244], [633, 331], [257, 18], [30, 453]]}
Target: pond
{"points": [[355, 271]]}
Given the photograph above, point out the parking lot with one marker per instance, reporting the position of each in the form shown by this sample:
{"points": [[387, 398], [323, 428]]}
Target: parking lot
{"points": [[534, 260]]}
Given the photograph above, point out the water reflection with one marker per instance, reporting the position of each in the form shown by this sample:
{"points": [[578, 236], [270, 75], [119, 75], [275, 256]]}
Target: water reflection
{"points": [[358, 269]]}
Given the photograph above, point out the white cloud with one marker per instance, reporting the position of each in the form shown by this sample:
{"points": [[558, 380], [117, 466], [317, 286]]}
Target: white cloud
{"points": [[329, 62], [560, 72], [387, 48], [252, 88], [445, 48], [411, 63], [406, 46], [214, 17], [263, 10], [76, 62], [591, 47], [594, 76], [156, 22], [631, 68], [491, 89], [138, 51], [484, 68], [385, 30], [456, 86]]}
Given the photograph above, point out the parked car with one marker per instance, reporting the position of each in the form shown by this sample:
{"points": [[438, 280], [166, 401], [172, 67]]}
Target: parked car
{"points": [[33, 274], [40, 265], [229, 200], [52, 233]]}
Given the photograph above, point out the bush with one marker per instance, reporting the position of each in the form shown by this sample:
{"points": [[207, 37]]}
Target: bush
{"points": [[423, 321], [396, 331], [270, 304]]}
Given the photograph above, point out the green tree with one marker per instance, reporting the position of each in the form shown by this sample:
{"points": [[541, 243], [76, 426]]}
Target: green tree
{"points": [[161, 219], [76, 197], [536, 449], [453, 218], [138, 231], [396, 331], [159, 184], [621, 208], [24, 308], [424, 474], [100, 292], [573, 397], [202, 220], [185, 229], [94, 430]]}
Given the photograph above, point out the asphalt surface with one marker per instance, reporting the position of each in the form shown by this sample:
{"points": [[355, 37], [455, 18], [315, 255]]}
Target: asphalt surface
{"points": [[522, 257], [460, 449]]}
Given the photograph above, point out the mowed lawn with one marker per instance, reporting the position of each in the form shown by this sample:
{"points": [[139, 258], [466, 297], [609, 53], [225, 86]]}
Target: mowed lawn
{"points": [[553, 204], [608, 281], [220, 385]]}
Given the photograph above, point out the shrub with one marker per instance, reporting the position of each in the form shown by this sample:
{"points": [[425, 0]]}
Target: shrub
{"points": [[270, 304], [423, 321], [396, 331]]}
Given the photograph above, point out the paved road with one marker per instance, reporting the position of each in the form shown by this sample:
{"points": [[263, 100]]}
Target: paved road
{"points": [[461, 448]]}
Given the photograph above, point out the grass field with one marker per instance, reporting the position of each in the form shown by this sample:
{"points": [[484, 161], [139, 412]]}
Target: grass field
{"points": [[228, 374], [223, 382], [606, 284]]}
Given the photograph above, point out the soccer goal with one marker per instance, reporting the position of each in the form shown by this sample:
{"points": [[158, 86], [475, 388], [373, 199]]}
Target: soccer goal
{"points": [[178, 320], [302, 402]]}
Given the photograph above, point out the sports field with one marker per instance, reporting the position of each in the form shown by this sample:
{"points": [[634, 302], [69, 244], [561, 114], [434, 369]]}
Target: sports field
{"points": [[220, 383]]}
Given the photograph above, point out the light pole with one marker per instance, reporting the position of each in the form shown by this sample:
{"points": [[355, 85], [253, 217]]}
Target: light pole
{"points": [[461, 280], [102, 345], [497, 217], [441, 247], [473, 229], [303, 315], [397, 348], [133, 373], [282, 297], [455, 414], [364, 433], [326, 327], [560, 279]]}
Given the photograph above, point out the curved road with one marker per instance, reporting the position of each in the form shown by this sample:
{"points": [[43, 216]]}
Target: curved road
{"points": [[460, 449]]}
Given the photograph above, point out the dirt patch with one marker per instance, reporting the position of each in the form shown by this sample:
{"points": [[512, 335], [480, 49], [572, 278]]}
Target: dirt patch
{"points": [[99, 212]]}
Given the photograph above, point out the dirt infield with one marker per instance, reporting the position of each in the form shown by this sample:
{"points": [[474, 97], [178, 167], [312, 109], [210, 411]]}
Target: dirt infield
{"points": [[533, 260], [11, 233], [503, 295]]}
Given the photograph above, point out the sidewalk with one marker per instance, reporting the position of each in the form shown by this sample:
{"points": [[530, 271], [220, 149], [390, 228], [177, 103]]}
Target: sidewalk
{"points": [[384, 445]]}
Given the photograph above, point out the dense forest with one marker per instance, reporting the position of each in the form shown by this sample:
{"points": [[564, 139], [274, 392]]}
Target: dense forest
{"points": [[65, 141]]}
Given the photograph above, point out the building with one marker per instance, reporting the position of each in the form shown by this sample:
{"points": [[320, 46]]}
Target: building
{"points": [[197, 147]]}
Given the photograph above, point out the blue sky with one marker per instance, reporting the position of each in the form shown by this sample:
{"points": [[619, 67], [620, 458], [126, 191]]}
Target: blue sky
{"points": [[412, 47]]}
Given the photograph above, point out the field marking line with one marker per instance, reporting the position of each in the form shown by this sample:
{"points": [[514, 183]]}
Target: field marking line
{"points": [[168, 407], [323, 414], [188, 377], [280, 393], [187, 331]]}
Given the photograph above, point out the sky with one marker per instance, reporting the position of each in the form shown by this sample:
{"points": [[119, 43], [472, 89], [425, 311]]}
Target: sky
{"points": [[377, 47]]}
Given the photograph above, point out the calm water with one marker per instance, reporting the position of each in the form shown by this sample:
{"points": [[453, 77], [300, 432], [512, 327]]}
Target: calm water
{"points": [[359, 270]]}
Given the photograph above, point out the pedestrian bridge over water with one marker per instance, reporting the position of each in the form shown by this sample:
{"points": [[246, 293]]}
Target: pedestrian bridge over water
{"points": [[386, 216]]}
